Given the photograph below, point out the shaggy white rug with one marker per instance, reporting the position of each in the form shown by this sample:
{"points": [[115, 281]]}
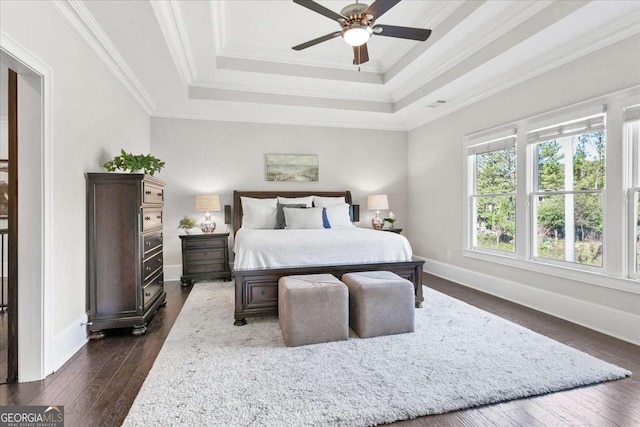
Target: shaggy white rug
{"points": [[210, 372]]}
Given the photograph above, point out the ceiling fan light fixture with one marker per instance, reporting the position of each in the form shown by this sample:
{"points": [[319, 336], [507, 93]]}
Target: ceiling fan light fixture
{"points": [[356, 35]]}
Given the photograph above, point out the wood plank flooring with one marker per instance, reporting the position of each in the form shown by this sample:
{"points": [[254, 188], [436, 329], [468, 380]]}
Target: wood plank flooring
{"points": [[98, 385]]}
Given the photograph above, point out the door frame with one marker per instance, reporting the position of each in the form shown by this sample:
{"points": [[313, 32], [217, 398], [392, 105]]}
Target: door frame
{"points": [[36, 299]]}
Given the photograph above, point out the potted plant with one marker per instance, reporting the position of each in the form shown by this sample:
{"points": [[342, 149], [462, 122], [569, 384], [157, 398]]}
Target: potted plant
{"points": [[391, 219], [188, 224], [134, 162]]}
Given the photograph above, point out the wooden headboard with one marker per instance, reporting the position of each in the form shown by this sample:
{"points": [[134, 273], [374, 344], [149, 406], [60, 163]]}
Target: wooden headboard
{"points": [[237, 203]]}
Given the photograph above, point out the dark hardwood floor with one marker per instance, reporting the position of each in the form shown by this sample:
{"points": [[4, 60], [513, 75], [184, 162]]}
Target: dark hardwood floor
{"points": [[98, 385]]}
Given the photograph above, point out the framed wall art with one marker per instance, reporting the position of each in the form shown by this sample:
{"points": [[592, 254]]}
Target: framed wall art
{"points": [[292, 167]]}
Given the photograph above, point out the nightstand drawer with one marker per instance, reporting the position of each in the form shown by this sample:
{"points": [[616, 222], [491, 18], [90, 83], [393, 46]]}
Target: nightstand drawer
{"points": [[206, 242], [152, 241], [151, 218], [208, 267], [213, 254], [152, 290], [152, 194], [152, 264]]}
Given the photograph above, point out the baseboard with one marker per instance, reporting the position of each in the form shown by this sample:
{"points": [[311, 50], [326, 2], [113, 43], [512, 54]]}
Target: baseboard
{"points": [[610, 321], [68, 342], [172, 272]]}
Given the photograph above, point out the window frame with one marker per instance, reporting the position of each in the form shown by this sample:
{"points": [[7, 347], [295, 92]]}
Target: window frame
{"points": [[631, 141]]}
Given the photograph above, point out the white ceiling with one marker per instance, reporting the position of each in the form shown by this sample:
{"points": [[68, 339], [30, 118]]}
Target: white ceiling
{"points": [[232, 60]]}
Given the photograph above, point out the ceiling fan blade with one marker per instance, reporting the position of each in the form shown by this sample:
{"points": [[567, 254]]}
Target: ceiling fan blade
{"points": [[360, 54], [380, 7], [310, 4], [316, 41], [402, 32]]}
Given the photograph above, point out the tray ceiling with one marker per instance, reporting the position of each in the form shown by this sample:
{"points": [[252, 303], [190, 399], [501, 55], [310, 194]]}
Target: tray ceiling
{"points": [[232, 60]]}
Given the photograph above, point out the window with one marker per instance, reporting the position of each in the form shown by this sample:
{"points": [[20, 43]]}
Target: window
{"points": [[632, 139], [493, 194], [567, 197]]}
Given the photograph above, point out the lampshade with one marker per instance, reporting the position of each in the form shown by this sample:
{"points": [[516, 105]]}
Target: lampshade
{"points": [[377, 202], [207, 203]]}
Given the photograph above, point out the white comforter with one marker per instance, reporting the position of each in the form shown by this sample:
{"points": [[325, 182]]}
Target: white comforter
{"points": [[256, 249]]}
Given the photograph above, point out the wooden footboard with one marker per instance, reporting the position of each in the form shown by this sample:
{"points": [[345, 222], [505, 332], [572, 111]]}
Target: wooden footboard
{"points": [[257, 290]]}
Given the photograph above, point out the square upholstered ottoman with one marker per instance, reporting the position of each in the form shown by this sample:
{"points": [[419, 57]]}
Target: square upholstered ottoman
{"points": [[380, 303], [313, 308]]}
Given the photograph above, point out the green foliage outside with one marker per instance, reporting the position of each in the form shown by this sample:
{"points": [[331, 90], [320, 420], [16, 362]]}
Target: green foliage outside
{"points": [[495, 220]]}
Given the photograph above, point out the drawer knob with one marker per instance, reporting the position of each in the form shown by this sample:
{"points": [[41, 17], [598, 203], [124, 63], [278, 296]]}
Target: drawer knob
{"points": [[147, 218], [147, 268], [263, 292], [160, 194], [148, 192], [159, 216], [159, 260], [147, 294], [147, 243]]}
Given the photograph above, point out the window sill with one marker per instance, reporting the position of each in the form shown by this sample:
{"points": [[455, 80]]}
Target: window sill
{"points": [[591, 277]]}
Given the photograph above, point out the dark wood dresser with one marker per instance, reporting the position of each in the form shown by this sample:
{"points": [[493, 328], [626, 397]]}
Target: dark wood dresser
{"points": [[205, 257], [124, 251]]}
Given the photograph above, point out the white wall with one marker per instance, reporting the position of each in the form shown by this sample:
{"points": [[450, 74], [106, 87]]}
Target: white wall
{"points": [[219, 157], [93, 117], [436, 203]]}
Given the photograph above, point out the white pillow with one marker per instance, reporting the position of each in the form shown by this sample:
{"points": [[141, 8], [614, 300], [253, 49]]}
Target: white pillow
{"points": [[338, 216], [254, 201], [323, 202], [303, 218], [257, 216], [307, 201]]}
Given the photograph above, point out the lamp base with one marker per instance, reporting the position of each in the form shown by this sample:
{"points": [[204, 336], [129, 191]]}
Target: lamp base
{"points": [[207, 226], [377, 223]]}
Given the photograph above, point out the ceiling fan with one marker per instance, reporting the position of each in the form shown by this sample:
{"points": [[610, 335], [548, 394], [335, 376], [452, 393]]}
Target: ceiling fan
{"points": [[357, 21]]}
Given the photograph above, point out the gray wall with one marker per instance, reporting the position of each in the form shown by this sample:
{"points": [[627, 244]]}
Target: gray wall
{"points": [[435, 185], [219, 157]]}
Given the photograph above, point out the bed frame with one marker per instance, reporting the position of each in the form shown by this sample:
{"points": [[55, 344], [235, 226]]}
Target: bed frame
{"points": [[257, 290]]}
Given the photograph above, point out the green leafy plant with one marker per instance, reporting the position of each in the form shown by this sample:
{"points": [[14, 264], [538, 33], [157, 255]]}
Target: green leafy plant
{"points": [[187, 222], [133, 162], [390, 221]]}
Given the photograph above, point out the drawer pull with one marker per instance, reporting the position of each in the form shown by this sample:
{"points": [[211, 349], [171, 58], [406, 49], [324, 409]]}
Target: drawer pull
{"points": [[263, 292], [147, 218], [160, 194], [148, 243], [148, 192], [159, 260], [159, 216], [147, 294], [147, 268]]}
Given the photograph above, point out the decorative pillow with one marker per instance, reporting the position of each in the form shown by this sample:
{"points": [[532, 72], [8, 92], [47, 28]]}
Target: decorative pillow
{"points": [[325, 220], [338, 216], [254, 201], [323, 202], [280, 220], [303, 218], [258, 216], [306, 201]]}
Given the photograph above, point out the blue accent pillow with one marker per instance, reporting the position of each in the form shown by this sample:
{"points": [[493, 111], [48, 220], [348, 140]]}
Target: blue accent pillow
{"points": [[325, 220], [280, 220]]}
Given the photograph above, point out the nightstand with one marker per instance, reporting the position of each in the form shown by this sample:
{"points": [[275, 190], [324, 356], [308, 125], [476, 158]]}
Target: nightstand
{"points": [[393, 230], [205, 257]]}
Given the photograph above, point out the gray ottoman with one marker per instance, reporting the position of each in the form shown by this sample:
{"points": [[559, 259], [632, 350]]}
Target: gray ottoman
{"points": [[380, 303], [312, 309]]}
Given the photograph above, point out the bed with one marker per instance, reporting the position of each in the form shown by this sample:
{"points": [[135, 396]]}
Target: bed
{"points": [[258, 270]]}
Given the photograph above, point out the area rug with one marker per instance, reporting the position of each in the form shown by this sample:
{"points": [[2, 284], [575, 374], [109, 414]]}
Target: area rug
{"points": [[210, 372]]}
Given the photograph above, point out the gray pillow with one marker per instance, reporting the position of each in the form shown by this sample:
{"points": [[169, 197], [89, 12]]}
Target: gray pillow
{"points": [[280, 220]]}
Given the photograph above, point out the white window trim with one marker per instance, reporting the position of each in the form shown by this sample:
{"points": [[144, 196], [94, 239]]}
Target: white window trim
{"points": [[611, 275]]}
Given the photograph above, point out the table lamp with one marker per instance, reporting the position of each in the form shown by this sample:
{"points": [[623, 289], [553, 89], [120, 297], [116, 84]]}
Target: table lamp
{"points": [[207, 203], [377, 202]]}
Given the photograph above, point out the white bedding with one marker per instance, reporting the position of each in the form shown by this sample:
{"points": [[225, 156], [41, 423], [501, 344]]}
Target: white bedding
{"points": [[255, 249]]}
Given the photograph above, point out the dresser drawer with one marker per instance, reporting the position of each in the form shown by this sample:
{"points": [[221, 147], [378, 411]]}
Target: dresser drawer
{"points": [[151, 218], [214, 254], [152, 290], [208, 267], [206, 242], [152, 194], [152, 241], [152, 264]]}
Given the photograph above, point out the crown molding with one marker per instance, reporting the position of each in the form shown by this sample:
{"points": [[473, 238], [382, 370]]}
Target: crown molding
{"points": [[234, 117], [171, 21], [85, 25], [615, 32]]}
